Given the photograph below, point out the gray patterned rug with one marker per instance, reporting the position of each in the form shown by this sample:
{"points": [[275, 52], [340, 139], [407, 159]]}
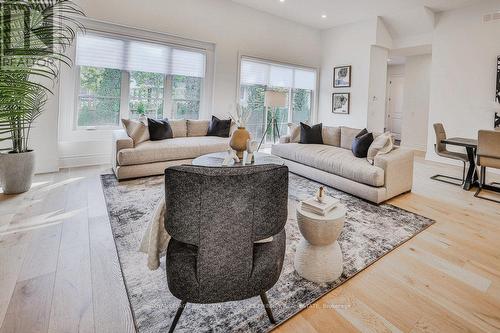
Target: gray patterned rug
{"points": [[370, 232]]}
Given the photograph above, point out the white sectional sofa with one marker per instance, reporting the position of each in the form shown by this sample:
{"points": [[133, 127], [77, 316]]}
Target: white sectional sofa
{"points": [[151, 158], [334, 164]]}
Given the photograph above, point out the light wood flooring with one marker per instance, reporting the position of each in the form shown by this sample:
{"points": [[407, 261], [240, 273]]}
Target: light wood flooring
{"points": [[59, 270]]}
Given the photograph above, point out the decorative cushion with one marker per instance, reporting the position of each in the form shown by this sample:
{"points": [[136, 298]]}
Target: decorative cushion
{"points": [[331, 136], [179, 128], [159, 130], [382, 144], [219, 127], [294, 130], [361, 144], [136, 130], [197, 127], [347, 135], [311, 135]]}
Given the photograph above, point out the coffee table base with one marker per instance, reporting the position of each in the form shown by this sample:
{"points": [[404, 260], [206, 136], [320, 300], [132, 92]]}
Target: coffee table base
{"points": [[318, 264]]}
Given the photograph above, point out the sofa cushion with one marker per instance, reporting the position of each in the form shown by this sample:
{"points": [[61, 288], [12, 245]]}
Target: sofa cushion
{"points": [[333, 160], [219, 127], [294, 132], [159, 129], [171, 150], [360, 145], [347, 135], [197, 127], [311, 135], [381, 145], [331, 136], [179, 128], [136, 130]]}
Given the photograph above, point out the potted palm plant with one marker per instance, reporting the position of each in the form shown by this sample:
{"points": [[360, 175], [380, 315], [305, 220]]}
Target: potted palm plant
{"points": [[34, 37]]}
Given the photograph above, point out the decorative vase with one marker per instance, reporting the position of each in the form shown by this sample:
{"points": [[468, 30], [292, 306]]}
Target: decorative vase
{"points": [[16, 172], [239, 141]]}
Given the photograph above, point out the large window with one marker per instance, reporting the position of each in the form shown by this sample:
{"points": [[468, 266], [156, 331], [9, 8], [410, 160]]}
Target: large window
{"points": [[120, 78], [258, 76]]}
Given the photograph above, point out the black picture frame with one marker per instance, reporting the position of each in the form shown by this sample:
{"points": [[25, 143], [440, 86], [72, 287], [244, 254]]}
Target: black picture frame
{"points": [[342, 76], [345, 99], [497, 98]]}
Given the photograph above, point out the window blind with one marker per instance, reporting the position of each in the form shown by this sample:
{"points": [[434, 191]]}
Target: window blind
{"points": [[131, 55], [276, 75]]}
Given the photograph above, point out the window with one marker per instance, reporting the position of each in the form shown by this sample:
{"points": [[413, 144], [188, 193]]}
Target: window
{"points": [[258, 76], [146, 95], [99, 97], [186, 97], [122, 78]]}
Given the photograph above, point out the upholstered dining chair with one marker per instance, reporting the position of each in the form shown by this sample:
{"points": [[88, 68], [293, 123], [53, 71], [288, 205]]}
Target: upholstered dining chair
{"points": [[227, 229], [488, 156], [442, 151]]}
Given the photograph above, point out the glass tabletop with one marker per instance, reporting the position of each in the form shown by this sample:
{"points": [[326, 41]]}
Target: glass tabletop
{"points": [[217, 160]]}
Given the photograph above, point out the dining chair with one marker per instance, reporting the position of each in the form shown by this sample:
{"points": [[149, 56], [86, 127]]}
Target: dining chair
{"points": [[227, 228], [488, 156], [442, 151]]}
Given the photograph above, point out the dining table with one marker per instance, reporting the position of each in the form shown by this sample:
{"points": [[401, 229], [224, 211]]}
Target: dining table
{"points": [[470, 146]]}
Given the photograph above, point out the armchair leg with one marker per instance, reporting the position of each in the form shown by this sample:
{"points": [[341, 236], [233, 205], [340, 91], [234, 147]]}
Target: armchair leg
{"points": [[177, 316], [263, 297]]}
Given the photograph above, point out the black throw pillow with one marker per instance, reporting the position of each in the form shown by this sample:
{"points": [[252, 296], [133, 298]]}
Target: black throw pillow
{"points": [[363, 132], [311, 135], [159, 130], [361, 144], [219, 127]]}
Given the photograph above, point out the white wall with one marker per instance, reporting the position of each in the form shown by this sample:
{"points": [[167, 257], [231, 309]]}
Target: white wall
{"points": [[463, 72], [377, 89], [346, 45], [363, 45], [416, 102], [234, 29]]}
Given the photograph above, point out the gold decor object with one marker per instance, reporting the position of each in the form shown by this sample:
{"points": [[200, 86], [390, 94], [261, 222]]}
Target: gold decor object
{"points": [[239, 141]]}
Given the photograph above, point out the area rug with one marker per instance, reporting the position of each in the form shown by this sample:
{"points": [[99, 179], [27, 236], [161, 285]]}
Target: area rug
{"points": [[370, 232]]}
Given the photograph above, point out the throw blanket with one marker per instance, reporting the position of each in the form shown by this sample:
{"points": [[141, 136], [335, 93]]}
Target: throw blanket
{"points": [[155, 239]]}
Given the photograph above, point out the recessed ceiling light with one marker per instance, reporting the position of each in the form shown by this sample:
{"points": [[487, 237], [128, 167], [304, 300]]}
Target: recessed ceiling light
{"points": [[282, 0], [323, 16]]}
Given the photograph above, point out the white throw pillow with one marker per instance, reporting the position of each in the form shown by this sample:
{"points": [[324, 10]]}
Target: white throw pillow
{"points": [[136, 130], [294, 130], [382, 144]]}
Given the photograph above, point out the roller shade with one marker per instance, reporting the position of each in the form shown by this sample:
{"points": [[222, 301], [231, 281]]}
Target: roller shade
{"points": [[275, 75], [131, 55]]}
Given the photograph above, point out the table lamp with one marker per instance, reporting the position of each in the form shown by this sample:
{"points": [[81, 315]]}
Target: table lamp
{"points": [[273, 100]]}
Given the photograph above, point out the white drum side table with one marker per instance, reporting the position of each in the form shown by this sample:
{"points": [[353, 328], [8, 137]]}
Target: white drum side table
{"points": [[318, 257]]}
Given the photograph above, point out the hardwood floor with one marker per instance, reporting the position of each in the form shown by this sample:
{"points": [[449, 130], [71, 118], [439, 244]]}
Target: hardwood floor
{"points": [[59, 270]]}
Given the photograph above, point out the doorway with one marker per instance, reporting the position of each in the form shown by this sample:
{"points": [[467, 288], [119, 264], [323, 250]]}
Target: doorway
{"points": [[394, 114]]}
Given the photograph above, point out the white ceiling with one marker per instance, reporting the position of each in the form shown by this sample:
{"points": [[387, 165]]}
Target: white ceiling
{"points": [[308, 12]]}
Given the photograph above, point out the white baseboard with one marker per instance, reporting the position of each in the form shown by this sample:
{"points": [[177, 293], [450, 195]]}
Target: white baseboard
{"points": [[84, 160]]}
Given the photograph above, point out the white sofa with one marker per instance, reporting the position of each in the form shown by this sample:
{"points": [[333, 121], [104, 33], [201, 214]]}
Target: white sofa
{"points": [[151, 158], [334, 164]]}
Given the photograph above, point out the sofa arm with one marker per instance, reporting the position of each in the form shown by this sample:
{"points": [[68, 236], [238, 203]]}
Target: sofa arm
{"points": [[120, 141], [398, 170], [285, 139]]}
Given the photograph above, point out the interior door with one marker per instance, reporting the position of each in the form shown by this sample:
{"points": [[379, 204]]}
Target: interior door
{"points": [[395, 106]]}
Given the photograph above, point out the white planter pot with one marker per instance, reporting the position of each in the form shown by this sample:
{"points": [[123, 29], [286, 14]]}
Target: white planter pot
{"points": [[16, 172]]}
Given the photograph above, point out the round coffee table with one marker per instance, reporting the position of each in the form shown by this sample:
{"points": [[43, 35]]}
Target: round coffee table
{"points": [[318, 257], [216, 159]]}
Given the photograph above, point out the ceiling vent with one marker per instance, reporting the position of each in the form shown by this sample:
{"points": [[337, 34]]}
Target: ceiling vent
{"points": [[492, 17]]}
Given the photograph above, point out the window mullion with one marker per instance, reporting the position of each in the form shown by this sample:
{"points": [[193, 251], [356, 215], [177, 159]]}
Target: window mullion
{"points": [[125, 95], [168, 111]]}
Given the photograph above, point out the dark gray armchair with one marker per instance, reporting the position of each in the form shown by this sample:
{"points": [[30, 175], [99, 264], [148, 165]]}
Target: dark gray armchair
{"points": [[215, 217]]}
